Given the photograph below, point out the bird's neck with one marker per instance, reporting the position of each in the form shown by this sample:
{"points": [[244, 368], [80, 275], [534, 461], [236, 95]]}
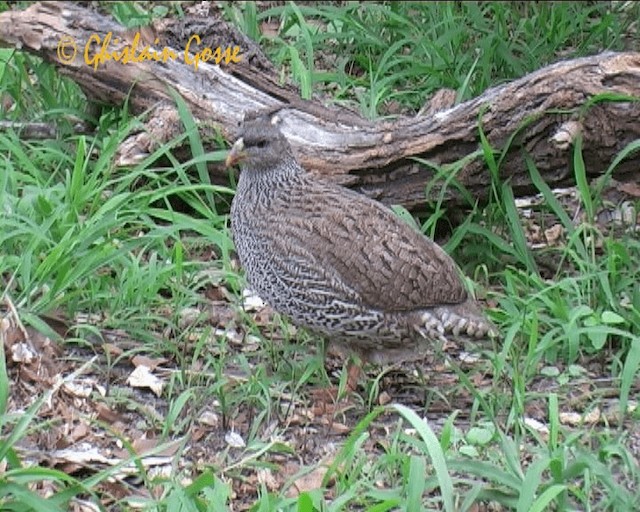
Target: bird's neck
{"points": [[264, 184]]}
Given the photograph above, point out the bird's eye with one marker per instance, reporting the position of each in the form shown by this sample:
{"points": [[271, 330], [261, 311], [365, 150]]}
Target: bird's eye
{"points": [[261, 143]]}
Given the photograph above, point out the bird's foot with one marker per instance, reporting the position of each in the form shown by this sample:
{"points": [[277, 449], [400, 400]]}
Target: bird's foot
{"points": [[438, 322]]}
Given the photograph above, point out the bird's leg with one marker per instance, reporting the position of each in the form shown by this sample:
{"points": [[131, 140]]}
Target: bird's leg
{"points": [[354, 371]]}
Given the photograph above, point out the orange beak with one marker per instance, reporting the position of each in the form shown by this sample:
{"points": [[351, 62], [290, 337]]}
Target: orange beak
{"points": [[236, 154]]}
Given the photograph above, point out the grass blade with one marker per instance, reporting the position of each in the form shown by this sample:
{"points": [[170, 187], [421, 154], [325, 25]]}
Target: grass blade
{"points": [[435, 452]]}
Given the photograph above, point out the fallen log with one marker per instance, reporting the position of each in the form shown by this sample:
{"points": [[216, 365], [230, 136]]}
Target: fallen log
{"points": [[539, 115]]}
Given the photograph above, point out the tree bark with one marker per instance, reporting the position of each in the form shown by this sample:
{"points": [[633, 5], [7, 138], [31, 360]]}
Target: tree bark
{"points": [[538, 116]]}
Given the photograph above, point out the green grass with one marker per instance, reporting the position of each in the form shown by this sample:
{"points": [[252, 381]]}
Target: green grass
{"points": [[373, 54], [140, 248]]}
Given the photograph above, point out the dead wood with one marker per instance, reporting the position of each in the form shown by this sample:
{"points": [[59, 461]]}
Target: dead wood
{"points": [[538, 116]]}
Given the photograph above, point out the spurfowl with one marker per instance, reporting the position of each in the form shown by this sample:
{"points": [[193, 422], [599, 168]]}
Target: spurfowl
{"points": [[338, 263]]}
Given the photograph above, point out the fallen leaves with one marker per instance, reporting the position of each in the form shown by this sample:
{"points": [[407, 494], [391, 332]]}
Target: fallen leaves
{"points": [[118, 408], [309, 481], [142, 377], [234, 440], [617, 210]]}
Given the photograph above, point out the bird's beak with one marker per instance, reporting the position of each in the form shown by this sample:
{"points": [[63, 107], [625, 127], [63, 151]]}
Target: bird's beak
{"points": [[236, 154]]}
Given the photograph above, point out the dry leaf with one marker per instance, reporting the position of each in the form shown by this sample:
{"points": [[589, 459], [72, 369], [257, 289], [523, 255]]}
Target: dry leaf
{"points": [[536, 425], [338, 428], [22, 353], [553, 234], [466, 357], [573, 418], [143, 444], [105, 413], [234, 440], [150, 362], [188, 317], [384, 398], [270, 29], [209, 418], [265, 476], [112, 349], [251, 301], [80, 431], [308, 482], [83, 453], [80, 388], [142, 377], [631, 188]]}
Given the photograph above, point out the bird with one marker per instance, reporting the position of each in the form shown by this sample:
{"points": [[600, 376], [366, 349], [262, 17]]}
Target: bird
{"points": [[340, 264]]}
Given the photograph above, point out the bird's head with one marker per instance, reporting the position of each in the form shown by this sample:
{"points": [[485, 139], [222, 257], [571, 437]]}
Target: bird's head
{"points": [[260, 145]]}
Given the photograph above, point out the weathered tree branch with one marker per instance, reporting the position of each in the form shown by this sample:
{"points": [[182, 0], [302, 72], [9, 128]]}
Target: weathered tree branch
{"points": [[539, 115]]}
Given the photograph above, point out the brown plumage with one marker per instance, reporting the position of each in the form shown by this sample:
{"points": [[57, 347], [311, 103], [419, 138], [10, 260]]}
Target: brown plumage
{"points": [[339, 263]]}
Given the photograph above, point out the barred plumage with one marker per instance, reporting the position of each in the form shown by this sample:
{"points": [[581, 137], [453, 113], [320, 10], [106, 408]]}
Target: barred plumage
{"points": [[339, 263]]}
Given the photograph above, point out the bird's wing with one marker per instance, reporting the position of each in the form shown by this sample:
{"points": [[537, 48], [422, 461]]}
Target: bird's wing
{"points": [[389, 264]]}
